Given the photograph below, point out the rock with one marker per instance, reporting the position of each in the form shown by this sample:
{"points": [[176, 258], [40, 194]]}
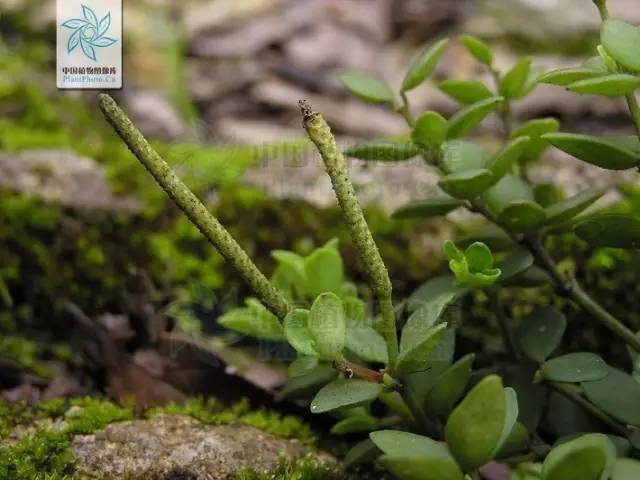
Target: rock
{"points": [[154, 116], [172, 447], [63, 176]]}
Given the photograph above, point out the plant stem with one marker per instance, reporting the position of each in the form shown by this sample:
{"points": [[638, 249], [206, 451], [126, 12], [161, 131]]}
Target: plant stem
{"points": [[602, 8], [405, 110], [193, 208], [572, 394], [355, 370], [336, 167]]}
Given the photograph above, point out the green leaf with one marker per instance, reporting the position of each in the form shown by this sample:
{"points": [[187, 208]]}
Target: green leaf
{"points": [[575, 367], [297, 333], [415, 457], [595, 150], [478, 257], [595, 63], [369, 88], [621, 40], [469, 117], [461, 155], [345, 393], [467, 184], [289, 275], [506, 158], [522, 216], [301, 387], [354, 424], [615, 85], [517, 441], [421, 321], [511, 415], [567, 209], [383, 151], [565, 76], [465, 91], [540, 333], [450, 387], [477, 48], [474, 267], [362, 452], [516, 263], [324, 271], [366, 343], [412, 359], [584, 458], [618, 394], [327, 325], [430, 130], [534, 129], [254, 320], [433, 288], [424, 65], [474, 428], [509, 189], [431, 207], [625, 469], [302, 365], [512, 84], [610, 230]]}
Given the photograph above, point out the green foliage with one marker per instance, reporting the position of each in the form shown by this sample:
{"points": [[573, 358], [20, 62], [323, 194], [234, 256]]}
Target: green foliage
{"points": [[304, 469], [367, 87], [473, 267], [90, 414]]}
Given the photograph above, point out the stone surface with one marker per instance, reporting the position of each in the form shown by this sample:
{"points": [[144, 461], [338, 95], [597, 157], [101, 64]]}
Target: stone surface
{"points": [[63, 176], [176, 447]]}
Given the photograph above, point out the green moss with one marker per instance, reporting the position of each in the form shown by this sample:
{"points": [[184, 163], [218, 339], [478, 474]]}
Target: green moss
{"points": [[212, 412], [91, 414], [304, 469]]}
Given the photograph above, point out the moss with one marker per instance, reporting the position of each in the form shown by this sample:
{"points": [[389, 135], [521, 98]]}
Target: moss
{"points": [[304, 469], [91, 414], [212, 412]]}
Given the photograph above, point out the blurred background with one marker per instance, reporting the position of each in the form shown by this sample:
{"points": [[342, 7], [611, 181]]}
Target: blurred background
{"points": [[105, 287]]}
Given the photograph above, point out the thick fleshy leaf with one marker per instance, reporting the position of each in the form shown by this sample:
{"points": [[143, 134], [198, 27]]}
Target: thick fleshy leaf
{"points": [[512, 85], [479, 257], [302, 387], [614, 85], [367, 87], [362, 452], [469, 117], [595, 150], [516, 263], [565, 76], [450, 387], [354, 424], [610, 230], [433, 288], [421, 321], [575, 367], [383, 151], [297, 333], [506, 158], [474, 267], [620, 40], [567, 209], [584, 458], [522, 216], [467, 184], [345, 393], [431, 207], [328, 325], [534, 129], [324, 271], [414, 358], [618, 394], [540, 333], [254, 320], [477, 48], [366, 343], [596, 63], [509, 189], [301, 366], [474, 428], [532, 397], [465, 91], [461, 155], [430, 130], [415, 457], [516, 442], [424, 65], [625, 469], [510, 417]]}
